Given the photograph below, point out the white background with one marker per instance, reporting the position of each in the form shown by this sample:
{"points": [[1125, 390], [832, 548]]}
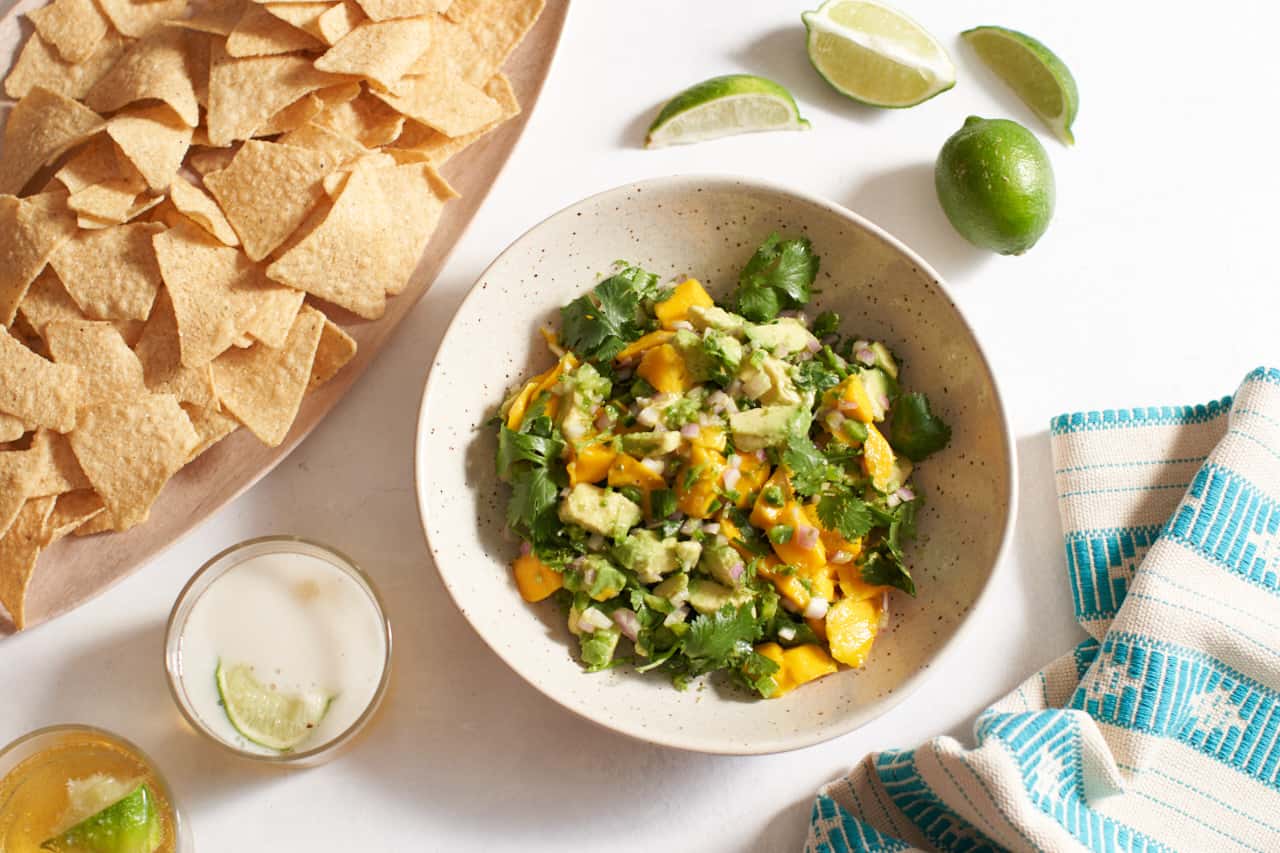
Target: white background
{"points": [[1152, 286]]}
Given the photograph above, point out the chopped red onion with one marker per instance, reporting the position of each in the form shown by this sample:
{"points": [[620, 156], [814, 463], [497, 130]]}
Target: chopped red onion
{"points": [[675, 617], [817, 608], [589, 577], [806, 536], [812, 345], [735, 388], [711, 528], [648, 417], [592, 620], [684, 325], [595, 542], [690, 526], [834, 420], [761, 456], [734, 461], [736, 570], [847, 407], [525, 549], [604, 420], [627, 622], [787, 633], [718, 400], [865, 356], [573, 429], [841, 557], [655, 465], [884, 401], [893, 500], [731, 478], [677, 516], [691, 430], [905, 494]]}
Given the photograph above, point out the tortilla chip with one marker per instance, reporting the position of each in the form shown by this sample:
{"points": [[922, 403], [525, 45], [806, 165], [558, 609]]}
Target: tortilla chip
{"points": [[70, 512], [47, 301], [259, 33], [263, 387], [130, 450], [19, 550], [141, 204], [244, 92], [16, 479], [268, 309], [11, 429], [111, 273], [293, 116], [35, 390], [54, 468], [336, 348], [381, 51], [199, 59], [39, 65], [303, 16], [153, 68], [441, 101], [31, 230], [101, 523], [160, 352], [419, 143], [267, 192], [137, 18], [217, 19], [109, 371], [338, 148], [487, 32], [211, 160], [196, 205], [385, 10], [92, 163], [211, 425], [366, 119], [415, 196], [338, 21], [107, 203], [73, 27], [40, 128], [154, 140]]}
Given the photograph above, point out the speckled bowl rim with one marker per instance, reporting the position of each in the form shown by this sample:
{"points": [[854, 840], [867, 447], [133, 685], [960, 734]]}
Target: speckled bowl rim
{"points": [[912, 682]]}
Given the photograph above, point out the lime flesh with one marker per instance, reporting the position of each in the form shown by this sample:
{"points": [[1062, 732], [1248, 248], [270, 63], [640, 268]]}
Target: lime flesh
{"points": [[725, 106], [1034, 72], [265, 716], [127, 823], [875, 54], [995, 184]]}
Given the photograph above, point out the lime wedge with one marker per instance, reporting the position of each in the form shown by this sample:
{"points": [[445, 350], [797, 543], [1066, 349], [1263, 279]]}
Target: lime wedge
{"points": [[265, 716], [725, 106], [876, 55], [1033, 71], [109, 816]]}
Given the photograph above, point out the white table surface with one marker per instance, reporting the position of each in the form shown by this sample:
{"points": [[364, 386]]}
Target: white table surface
{"points": [[1150, 288]]}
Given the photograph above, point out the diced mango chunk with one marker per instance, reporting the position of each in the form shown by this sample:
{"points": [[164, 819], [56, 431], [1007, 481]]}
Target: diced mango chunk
{"points": [[877, 459], [787, 583], [702, 473], [711, 437], [676, 307], [793, 552], [647, 342], [851, 629], [781, 678], [535, 386], [664, 369], [765, 514], [534, 578], [807, 663], [857, 401], [591, 464], [852, 585], [627, 471]]}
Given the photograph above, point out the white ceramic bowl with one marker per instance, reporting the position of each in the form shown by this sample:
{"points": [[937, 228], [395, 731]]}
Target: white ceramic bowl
{"points": [[707, 227]]}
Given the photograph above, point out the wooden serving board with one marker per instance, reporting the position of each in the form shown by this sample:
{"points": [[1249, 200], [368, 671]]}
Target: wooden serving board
{"points": [[75, 569]]}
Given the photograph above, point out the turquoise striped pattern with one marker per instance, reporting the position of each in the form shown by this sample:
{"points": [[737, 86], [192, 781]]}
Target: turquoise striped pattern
{"points": [[1162, 731]]}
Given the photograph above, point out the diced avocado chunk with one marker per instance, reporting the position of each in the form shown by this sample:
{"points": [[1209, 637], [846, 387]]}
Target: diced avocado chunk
{"points": [[719, 560], [713, 317], [598, 647], [706, 596], [651, 558], [650, 443], [674, 589], [587, 387], [711, 356], [599, 510], [768, 379], [782, 337], [879, 388], [596, 577], [767, 426], [884, 359]]}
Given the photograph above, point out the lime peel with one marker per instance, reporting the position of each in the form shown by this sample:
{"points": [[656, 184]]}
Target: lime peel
{"points": [[725, 106], [1035, 73], [109, 816], [264, 716]]}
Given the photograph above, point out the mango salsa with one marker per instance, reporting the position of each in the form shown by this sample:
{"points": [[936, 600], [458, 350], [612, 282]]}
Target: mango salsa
{"points": [[534, 578], [664, 369], [675, 308]]}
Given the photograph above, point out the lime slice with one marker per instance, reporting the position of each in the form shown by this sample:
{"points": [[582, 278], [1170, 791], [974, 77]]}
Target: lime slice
{"points": [[725, 106], [109, 816], [876, 55], [265, 716], [1033, 71]]}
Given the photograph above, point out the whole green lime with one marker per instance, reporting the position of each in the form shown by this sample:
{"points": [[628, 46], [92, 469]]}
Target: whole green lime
{"points": [[995, 184]]}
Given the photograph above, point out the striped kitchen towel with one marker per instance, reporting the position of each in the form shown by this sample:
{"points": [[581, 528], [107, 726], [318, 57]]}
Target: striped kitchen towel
{"points": [[1162, 730]]}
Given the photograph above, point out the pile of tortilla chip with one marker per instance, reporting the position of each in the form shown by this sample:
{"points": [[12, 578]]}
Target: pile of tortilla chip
{"points": [[186, 194]]}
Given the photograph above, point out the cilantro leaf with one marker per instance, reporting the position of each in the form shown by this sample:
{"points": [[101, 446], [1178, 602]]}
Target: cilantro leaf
{"points": [[721, 639], [883, 568], [826, 324], [779, 275], [809, 467], [845, 512], [515, 447], [814, 375], [599, 324], [532, 509], [757, 672], [916, 432]]}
